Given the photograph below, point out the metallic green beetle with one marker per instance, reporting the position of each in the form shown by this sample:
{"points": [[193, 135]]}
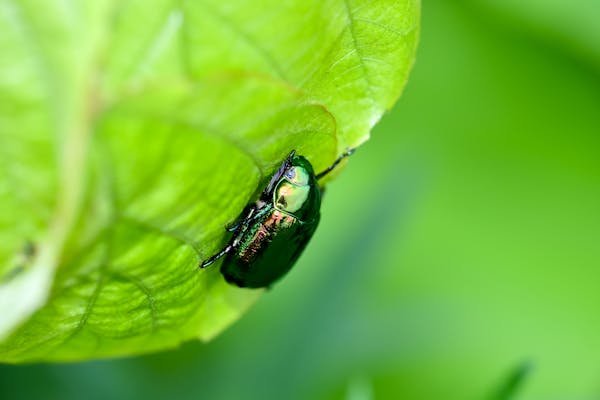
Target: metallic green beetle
{"points": [[271, 233]]}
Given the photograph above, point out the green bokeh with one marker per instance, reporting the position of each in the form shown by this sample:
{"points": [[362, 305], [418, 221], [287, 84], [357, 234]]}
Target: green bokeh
{"points": [[461, 243]]}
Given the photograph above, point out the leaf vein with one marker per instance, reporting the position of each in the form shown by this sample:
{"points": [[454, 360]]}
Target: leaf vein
{"points": [[156, 44], [146, 291], [165, 232], [89, 307], [244, 36], [359, 52], [386, 27]]}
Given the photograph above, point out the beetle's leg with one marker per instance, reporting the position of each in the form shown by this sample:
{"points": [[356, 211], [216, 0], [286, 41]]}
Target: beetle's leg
{"points": [[256, 212], [233, 226], [248, 214], [335, 164], [214, 258]]}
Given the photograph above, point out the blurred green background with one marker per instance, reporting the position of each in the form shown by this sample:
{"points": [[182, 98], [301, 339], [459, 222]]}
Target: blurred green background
{"points": [[461, 244]]}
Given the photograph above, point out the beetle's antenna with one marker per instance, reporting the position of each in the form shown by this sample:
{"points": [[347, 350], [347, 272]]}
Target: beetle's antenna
{"points": [[335, 164], [214, 258], [287, 163]]}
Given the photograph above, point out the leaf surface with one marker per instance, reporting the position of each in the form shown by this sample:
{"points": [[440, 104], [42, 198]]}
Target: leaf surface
{"points": [[133, 132]]}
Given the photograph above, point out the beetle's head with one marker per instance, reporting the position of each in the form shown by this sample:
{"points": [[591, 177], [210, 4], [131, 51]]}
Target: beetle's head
{"points": [[297, 191], [299, 172]]}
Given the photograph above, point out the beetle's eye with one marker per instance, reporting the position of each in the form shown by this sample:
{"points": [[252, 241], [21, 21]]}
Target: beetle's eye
{"points": [[298, 176]]}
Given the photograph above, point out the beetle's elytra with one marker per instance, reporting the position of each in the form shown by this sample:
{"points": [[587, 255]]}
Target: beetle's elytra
{"points": [[271, 233]]}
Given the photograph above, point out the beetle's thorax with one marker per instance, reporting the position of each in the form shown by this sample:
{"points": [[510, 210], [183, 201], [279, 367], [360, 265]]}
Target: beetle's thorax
{"points": [[297, 193]]}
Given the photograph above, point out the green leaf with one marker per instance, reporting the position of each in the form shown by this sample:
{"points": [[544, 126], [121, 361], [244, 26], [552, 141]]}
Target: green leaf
{"points": [[133, 132]]}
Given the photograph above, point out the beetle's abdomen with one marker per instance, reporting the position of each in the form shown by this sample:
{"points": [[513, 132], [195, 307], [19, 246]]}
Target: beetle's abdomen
{"points": [[258, 238], [267, 250]]}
